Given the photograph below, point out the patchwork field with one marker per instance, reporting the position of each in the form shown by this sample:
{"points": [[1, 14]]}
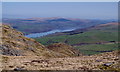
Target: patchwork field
{"points": [[94, 40]]}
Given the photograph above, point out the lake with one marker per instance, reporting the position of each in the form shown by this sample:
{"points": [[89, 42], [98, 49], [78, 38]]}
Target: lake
{"points": [[34, 35]]}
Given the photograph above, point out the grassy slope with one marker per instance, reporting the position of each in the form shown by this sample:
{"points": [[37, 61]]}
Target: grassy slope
{"points": [[101, 34], [95, 49]]}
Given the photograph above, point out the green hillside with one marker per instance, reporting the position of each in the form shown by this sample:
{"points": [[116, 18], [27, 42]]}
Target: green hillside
{"points": [[95, 40]]}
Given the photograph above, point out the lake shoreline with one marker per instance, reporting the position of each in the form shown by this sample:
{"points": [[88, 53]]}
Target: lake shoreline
{"points": [[35, 35]]}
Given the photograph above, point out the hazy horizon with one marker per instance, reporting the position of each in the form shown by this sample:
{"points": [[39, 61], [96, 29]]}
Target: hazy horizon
{"points": [[83, 10]]}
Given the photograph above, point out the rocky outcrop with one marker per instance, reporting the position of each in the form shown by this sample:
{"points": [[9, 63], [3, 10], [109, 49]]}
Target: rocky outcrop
{"points": [[14, 43], [64, 49]]}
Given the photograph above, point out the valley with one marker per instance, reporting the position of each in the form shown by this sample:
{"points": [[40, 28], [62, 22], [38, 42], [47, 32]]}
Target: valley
{"points": [[92, 40], [91, 48]]}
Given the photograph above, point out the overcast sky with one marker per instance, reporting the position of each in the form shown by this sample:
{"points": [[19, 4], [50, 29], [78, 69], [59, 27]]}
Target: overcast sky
{"points": [[86, 10]]}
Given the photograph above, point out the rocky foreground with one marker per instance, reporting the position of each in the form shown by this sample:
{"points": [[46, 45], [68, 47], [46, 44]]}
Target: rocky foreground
{"points": [[104, 61]]}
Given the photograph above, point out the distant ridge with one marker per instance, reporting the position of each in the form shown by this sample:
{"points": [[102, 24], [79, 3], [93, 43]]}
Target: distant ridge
{"points": [[39, 25]]}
